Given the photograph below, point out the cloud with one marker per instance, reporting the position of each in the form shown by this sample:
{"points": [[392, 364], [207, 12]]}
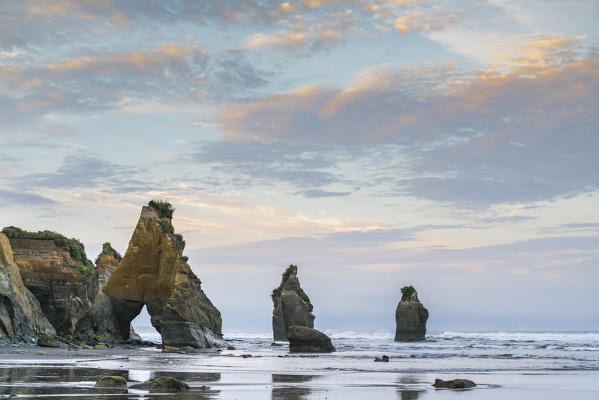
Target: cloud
{"points": [[84, 170], [305, 37], [10, 198], [321, 25], [522, 131], [244, 164], [167, 72], [317, 193], [232, 76], [171, 74], [5, 158], [32, 24]]}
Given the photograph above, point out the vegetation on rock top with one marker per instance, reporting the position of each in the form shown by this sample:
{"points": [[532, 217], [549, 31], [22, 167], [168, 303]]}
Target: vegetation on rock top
{"points": [[76, 249], [407, 292], [166, 210], [163, 208], [107, 249], [276, 293]]}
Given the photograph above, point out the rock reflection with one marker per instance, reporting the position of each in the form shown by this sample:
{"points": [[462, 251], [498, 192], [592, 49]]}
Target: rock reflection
{"points": [[286, 387], [407, 387], [409, 394], [58, 382]]}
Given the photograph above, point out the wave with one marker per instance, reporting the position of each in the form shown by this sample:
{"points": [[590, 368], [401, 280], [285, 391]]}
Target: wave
{"points": [[569, 337]]}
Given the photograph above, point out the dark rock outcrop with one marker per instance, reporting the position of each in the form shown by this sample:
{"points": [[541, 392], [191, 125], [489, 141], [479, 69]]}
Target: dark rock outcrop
{"points": [[56, 270], [106, 263], [163, 383], [308, 340], [153, 272], [454, 384], [109, 381], [45, 339], [20, 313], [410, 317], [292, 306]]}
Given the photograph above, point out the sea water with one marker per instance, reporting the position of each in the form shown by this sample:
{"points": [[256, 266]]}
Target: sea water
{"points": [[515, 365], [440, 352]]}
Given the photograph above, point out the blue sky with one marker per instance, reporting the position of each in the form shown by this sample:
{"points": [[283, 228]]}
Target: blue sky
{"points": [[447, 144]]}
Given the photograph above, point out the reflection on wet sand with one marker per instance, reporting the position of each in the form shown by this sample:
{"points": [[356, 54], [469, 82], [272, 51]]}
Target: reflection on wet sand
{"points": [[286, 387], [409, 394], [73, 382], [406, 387]]}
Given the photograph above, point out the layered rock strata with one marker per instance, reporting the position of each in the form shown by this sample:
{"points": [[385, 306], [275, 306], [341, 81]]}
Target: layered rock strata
{"points": [[20, 313], [48, 272], [410, 317], [292, 307], [153, 272]]}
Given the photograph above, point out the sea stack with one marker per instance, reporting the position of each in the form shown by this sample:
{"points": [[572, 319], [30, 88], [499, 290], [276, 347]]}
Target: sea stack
{"points": [[292, 306], [410, 317], [106, 263], [154, 273], [20, 313]]}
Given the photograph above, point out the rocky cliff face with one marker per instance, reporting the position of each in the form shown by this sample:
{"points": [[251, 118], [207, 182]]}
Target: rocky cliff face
{"points": [[20, 312], [106, 263], [47, 271], [292, 306], [153, 272], [410, 317]]}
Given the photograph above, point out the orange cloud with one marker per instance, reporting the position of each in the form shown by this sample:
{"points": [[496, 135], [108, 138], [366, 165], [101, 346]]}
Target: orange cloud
{"points": [[546, 70]]}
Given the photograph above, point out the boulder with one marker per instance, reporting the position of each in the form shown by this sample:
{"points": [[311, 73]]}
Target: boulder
{"points": [[154, 273], [410, 317], [454, 384], [56, 270], [292, 306], [21, 315], [45, 339], [308, 340], [115, 382], [163, 383]]}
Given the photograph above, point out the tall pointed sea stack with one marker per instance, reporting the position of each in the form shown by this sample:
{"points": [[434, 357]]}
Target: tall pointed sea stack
{"points": [[20, 312], [292, 306], [155, 273], [410, 317]]}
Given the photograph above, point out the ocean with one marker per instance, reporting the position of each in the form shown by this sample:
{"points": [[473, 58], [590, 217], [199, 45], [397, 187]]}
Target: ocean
{"points": [[505, 365]]}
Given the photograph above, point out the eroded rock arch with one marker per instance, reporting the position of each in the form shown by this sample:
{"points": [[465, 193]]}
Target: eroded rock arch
{"points": [[154, 273]]}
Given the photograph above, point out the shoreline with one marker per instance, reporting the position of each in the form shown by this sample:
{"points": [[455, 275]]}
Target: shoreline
{"points": [[33, 371]]}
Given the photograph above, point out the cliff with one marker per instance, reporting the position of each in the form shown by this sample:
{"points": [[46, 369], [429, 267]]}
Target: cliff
{"points": [[20, 312], [153, 272], [410, 317], [56, 270], [292, 307]]}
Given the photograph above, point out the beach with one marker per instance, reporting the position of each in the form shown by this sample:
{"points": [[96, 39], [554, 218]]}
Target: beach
{"points": [[503, 365]]}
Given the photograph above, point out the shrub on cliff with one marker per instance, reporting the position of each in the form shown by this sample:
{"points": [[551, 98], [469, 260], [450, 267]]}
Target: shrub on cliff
{"points": [[406, 292], [107, 249], [164, 208]]}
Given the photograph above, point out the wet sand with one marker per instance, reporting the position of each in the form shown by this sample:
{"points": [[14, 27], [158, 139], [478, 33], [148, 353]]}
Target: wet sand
{"points": [[34, 372]]}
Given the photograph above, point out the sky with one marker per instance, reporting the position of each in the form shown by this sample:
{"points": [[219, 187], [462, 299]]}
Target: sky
{"points": [[452, 145]]}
